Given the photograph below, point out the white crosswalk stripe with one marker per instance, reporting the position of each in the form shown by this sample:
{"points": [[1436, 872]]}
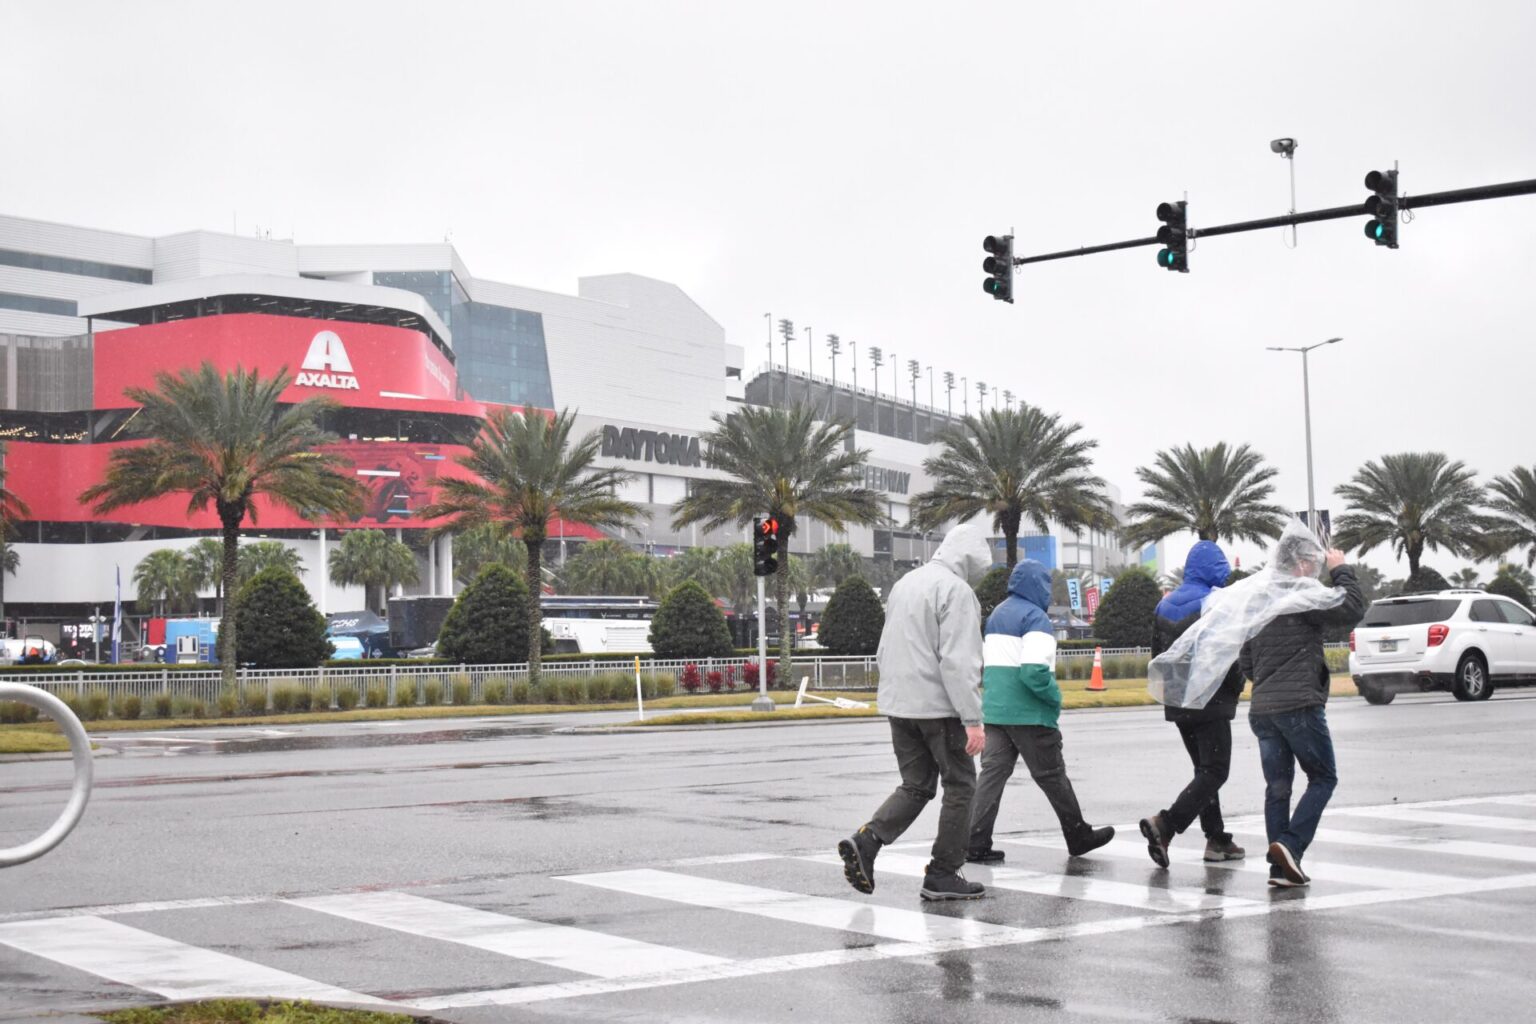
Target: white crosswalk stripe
{"points": [[1417, 844], [573, 949], [1073, 887], [1415, 816], [820, 911], [163, 966]]}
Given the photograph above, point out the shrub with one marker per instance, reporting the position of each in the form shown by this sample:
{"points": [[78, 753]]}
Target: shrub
{"points": [[852, 623], [1505, 584], [1337, 659], [283, 698], [691, 680], [303, 698], [664, 684], [730, 677], [346, 697], [320, 698], [276, 624], [199, 708], [405, 691], [254, 699], [126, 706], [228, 704], [990, 591], [96, 704], [688, 624], [715, 679], [495, 691], [571, 691], [14, 712], [488, 624], [378, 696], [521, 692], [1125, 615], [163, 704], [432, 693], [72, 702]]}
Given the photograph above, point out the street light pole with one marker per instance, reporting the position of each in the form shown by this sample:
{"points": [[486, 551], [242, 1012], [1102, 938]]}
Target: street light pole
{"points": [[1306, 399], [770, 358]]}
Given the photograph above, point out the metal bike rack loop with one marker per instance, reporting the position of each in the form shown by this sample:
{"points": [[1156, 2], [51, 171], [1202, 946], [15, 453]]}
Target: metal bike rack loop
{"points": [[80, 748]]}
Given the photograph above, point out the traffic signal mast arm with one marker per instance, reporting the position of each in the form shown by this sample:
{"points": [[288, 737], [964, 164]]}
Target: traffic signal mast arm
{"points": [[1460, 195]]}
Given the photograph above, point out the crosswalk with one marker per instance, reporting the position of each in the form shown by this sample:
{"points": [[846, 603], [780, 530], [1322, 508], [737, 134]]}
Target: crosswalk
{"points": [[753, 913]]}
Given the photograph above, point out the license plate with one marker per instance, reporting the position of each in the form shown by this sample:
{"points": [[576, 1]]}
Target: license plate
{"points": [[1388, 646]]}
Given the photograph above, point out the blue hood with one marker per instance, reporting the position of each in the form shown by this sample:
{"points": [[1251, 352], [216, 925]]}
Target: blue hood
{"points": [[1031, 581], [1205, 569]]}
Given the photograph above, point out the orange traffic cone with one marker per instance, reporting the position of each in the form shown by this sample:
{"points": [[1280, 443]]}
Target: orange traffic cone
{"points": [[1096, 681]]}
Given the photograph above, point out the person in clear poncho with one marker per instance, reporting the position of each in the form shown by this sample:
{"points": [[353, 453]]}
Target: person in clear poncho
{"points": [[1190, 672]]}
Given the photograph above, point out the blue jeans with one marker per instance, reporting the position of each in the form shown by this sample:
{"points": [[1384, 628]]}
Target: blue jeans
{"points": [[1286, 739]]}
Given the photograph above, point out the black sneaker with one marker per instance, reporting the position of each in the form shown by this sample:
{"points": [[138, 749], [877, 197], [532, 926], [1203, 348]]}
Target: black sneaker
{"points": [[858, 855], [1157, 834], [1281, 857], [950, 887], [985, 857], [1279, 881], [1087, 839], [1223, 849]]}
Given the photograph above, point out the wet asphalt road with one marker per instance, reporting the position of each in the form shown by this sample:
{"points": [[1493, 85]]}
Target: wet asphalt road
{"points": [[1429, 913]]}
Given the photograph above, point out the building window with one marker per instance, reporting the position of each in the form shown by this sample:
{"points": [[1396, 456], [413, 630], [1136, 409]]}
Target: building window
{"points": [[84, 268], [37, 304]]}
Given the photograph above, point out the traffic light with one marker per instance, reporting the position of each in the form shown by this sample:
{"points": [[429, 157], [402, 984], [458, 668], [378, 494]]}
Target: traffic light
{"points": [[1174, 235], [999, 265], [1382, 206], [765, 546]]}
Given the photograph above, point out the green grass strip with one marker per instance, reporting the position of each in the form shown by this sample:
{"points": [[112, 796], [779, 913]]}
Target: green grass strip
{"points": [[246, 1011]]}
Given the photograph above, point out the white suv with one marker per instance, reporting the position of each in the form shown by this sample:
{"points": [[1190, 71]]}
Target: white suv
{"points": [[1464, 641]]}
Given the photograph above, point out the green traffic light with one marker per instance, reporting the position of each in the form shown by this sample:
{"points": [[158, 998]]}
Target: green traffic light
{"points": [[1165, 258]]}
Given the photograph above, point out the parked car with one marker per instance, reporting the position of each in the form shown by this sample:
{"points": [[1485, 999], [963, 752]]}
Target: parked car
{"points": [[1464, 641], [429, 651]]}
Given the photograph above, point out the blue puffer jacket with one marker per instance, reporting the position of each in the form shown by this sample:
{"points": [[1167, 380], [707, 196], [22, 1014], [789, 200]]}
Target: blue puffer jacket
{"points": [[1205, 569]]}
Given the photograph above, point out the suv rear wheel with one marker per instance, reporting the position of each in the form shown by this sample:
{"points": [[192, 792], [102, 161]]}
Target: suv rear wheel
{"points": [[1472, 681], [1377, 694]]}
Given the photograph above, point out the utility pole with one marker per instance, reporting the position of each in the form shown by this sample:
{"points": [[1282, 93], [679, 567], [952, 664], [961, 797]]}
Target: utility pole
{"points": [[1306, 398]]}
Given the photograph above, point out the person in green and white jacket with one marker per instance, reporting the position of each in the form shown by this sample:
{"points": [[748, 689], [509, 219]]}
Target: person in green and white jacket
{"points": [[1020, 706]]}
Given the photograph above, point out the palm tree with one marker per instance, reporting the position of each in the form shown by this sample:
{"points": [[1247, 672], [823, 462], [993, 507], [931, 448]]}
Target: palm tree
{"points": [[205, 559], [702, 565], [265, 554], [1014, 464], [781, 463], [373, 560], [1465, 579], [224, 440], [608, 567], [738, 584], [1513, 503], [12, 511], [835, 563], [527, 473], [165, 579], [474, 549], [1215, 493], [1413, 501]]}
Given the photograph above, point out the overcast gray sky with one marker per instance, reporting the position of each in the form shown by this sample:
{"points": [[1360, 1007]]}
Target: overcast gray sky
{"points": [[838, 163]]}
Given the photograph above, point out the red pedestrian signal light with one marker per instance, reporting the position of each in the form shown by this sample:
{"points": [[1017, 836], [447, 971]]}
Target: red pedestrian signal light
{"points": [[765, 546]]}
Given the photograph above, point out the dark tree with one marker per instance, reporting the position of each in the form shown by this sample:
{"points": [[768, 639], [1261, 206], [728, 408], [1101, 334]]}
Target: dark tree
{"points": [[991, 590], [688, 624], [276, 624], [1125, 614], [853, 620], [488, 624]]}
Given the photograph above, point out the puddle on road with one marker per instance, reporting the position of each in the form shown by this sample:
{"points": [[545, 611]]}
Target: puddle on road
{"points": [[169, 744]]}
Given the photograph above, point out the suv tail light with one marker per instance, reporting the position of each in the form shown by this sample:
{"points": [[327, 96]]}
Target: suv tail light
{"points": [[1438, 633], [1351, 639]]}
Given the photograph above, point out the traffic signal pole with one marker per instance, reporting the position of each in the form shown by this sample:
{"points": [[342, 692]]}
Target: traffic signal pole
{"points": [[763, 701], [1407, 202]]}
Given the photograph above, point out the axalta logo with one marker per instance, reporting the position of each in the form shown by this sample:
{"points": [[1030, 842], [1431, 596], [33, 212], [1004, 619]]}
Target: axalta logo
{"points": [[326, 365]]}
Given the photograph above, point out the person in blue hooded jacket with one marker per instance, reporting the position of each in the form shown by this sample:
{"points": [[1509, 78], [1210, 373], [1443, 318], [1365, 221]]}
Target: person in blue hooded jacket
{"points": [[1207, 731], [1020, 707]]}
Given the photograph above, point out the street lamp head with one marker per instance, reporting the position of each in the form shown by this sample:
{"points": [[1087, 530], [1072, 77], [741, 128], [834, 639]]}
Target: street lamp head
{"points": [[1332, 341]]}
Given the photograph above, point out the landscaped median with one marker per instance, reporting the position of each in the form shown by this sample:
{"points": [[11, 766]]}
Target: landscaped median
{"points": [[253, 1011]]}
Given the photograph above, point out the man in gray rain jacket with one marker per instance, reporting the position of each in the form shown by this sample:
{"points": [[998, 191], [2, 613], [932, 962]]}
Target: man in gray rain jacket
{"points": [[930, 667]]}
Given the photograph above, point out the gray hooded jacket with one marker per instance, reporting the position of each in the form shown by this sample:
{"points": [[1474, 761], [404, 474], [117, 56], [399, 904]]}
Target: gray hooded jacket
{"points": [[930, 649]]}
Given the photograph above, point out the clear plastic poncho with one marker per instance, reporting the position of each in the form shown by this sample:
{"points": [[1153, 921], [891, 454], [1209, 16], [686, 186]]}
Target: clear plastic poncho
{"points": [[1188, 674]]}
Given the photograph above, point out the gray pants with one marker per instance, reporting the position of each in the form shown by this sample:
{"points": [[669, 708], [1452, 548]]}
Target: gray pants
{"points": [[1040, 747], [928, 750]]}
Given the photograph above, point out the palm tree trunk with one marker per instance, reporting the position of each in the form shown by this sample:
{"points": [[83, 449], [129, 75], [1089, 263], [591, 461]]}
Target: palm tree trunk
{"points": [[535, 608], [226, 642], [1010, 525], [1415, 552], [2, 599]]}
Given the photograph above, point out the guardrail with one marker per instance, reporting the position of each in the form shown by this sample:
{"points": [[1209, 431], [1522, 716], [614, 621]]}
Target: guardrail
{"points": [[827, 672], [80, 792]]}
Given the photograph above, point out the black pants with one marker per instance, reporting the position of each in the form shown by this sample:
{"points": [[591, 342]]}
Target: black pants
{"points": [[1210, 749], [928, 750], [1040, 746]]}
